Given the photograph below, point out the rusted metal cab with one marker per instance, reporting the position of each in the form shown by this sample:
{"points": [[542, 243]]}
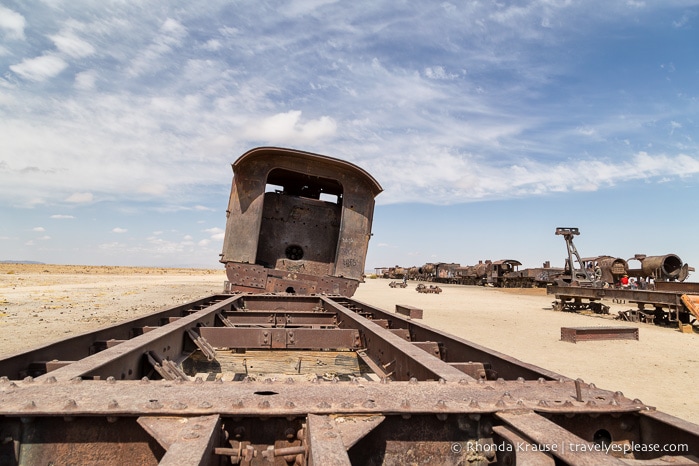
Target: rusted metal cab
{"points": [[297, 222]]}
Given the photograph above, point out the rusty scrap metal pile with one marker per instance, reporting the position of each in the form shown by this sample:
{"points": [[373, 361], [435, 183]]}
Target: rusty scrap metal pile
{"points": [[286, 368]]}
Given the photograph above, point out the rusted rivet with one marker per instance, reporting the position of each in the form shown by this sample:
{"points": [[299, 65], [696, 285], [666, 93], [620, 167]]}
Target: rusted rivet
{"points": [[636, 401], [442, 381], [199, 380], [592, 386], [543, 403], [568, 404], [591, 403], [385, 380], [507, 395], [205, 405], [369, 404], [614, 403], [111, 379], [247, 379], [289, 404], [347, 405], [323, 405], [28, 379], [405, 403], [520, 402], [179, 405], [113, 404], [264, 404], [289, 380], [412, 380], [500, 380], [520, 379], [618, 395], [51, 379], [238, 404], [71, 404], [190, 436], [30, 405], [154, 404], [441, 404], [473, 403], [541, 380], [500, 404], [145, 380], [4, 379], [463, 382]]}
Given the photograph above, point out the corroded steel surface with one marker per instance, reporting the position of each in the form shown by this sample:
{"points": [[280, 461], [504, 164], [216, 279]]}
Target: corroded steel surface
{"points": [[576, 334], [431, 406], [298, 222]]}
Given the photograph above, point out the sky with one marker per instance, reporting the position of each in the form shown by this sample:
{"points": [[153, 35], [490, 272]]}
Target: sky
{"points": [[488, 124]]}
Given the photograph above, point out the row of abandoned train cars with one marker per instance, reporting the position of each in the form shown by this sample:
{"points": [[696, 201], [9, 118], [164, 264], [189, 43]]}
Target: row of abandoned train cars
{"points": [[507, 274], [285, 368]]}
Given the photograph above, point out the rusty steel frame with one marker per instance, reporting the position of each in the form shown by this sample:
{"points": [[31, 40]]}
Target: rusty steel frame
{"points": [[571, 298], [190, 420]]}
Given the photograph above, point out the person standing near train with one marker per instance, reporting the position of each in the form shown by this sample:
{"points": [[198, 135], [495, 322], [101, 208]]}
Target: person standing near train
{"points": [[624, 282]]}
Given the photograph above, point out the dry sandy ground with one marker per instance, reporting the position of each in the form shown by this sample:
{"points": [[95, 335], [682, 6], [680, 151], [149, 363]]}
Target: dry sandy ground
{"points": [[40, 304]]}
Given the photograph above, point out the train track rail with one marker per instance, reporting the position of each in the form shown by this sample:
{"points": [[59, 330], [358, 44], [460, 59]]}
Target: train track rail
{"points": [[349, 384]]}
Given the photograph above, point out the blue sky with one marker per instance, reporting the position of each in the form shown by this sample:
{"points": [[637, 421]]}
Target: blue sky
{"points": [[488, 124]]}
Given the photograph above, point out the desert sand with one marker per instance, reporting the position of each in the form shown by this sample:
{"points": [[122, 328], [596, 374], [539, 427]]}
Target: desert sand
{"points": [[40, 304]]}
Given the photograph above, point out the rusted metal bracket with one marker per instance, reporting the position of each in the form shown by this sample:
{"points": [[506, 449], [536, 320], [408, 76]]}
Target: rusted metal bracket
{"points": [[187, 440], [167, 369], [202, 344]]}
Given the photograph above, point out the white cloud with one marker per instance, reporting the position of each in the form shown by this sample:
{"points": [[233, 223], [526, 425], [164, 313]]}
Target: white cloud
{"points": [[80, 198], [39, 229], [438, 72], [62, 217], [40, 68], [119, 230], [85, 80], [169, 37], [12, 23], [213, 45], [289, 127], [72, 45]]}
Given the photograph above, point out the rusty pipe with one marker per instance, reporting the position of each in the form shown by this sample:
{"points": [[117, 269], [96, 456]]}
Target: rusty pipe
{"points": [[664, 267]]}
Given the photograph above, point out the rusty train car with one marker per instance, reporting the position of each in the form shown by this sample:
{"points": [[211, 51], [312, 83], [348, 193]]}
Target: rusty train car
{"points": [[285, 368], [503, 273], [311, 217]]}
